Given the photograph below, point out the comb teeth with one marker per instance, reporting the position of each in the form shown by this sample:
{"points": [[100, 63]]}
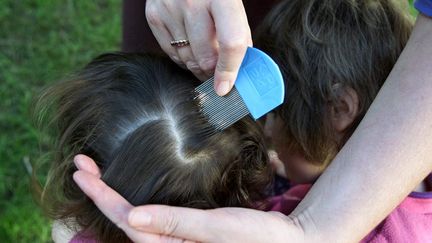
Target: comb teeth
{"points": [[221, 112]]}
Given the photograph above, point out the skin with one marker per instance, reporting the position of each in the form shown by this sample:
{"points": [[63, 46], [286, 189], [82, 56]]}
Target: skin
{"points": [[387, 156], [297, 168], [294, 164], [220, 52]]}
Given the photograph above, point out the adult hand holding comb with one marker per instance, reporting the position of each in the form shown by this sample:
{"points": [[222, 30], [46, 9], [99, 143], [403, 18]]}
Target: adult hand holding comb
{"points": [[186, 31]]}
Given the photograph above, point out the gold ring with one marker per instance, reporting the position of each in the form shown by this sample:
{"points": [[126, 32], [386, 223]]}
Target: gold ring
{"points": [[180, 43]]}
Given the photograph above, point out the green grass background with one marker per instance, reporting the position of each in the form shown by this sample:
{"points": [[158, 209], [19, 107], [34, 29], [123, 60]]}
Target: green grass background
{"points": [[40, 42]]}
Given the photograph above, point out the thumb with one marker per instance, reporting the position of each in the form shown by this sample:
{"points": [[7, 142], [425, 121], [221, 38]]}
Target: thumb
{"points": [[185, 223], [233, 36], [227, 67]]}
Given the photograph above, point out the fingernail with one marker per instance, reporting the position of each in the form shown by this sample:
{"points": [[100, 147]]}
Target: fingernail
{"points": [[78, 162], [193, 66], [79, 180], [176, 59], [223, 88], [139, 218]]}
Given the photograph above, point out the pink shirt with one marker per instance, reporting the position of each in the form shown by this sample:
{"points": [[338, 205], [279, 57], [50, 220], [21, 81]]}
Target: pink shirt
{"points": [[410, 222]]}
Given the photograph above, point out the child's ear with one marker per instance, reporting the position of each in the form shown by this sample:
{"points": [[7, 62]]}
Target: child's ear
{"points": [[345, 109]]}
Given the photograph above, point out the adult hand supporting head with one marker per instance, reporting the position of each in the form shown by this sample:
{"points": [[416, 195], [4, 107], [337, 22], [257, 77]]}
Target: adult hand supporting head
{"points": [[157, 223], [218, 32]]}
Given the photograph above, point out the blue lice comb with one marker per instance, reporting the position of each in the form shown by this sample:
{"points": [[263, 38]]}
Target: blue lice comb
{"points": [[258, 89]]}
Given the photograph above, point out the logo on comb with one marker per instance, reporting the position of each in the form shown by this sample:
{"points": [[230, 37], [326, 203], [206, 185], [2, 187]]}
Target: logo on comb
{"points": [[262, 83]]}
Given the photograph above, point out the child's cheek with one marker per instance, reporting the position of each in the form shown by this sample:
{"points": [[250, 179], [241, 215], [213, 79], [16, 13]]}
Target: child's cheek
{"points": [[298, 169]]}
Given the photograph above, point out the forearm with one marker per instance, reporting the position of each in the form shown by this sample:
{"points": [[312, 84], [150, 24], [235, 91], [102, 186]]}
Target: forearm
{"points": [[387, 156]]}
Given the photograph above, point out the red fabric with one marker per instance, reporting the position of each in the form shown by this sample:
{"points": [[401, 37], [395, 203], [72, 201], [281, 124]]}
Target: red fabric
{"points": [[287, 202], [82, 237], [410, 222]]}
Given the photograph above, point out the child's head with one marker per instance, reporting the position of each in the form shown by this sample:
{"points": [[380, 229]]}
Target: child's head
{"points": [[334, 55], [136, 116]]}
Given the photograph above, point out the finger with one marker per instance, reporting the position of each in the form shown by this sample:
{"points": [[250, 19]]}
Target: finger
{"points": [[160, 31], [169, 25], [114, 206], [85, 163], [183, 56], [233, 36], [185, 223], [202, 35], [177, 29], [175, 24]]}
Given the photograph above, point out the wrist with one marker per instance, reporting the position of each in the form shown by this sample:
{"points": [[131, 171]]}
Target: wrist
{"points": [[304, 222], [313, 231]]}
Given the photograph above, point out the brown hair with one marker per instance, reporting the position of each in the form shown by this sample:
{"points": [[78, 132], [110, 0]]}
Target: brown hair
{"points": [[136, 116], [323, 47]]}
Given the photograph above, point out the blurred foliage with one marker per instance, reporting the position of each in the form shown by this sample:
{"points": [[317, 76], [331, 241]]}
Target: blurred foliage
{"points": [[40, 41], [412, 9]]}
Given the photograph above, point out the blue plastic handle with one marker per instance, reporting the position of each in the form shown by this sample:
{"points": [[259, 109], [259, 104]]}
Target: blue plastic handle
{"points": [[260, 83]]}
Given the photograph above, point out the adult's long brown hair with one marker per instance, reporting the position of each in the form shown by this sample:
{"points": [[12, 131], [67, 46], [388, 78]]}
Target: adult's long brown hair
{"points": [[322, 48], [135, 115]]}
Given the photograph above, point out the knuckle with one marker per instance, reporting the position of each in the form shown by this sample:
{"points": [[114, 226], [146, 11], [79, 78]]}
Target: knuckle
{"points": [[225, 70], [169, 5], [207, 64], [177, 60], [189, 4], [234, 44], [170, 224], [193, 66], [152, 15]]}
